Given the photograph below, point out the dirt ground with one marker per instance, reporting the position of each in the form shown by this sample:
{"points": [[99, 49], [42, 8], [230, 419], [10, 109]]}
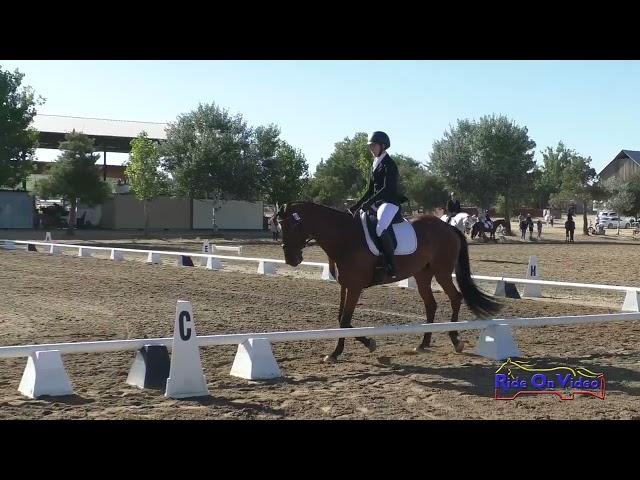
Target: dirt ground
{"points": [[64, 298]]}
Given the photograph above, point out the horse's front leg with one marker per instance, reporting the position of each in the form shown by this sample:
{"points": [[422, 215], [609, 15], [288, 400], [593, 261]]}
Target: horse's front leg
{"points": [[350, 296]]}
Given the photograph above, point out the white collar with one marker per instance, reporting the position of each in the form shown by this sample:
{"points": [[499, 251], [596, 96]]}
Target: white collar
{"points": [[377, 160]]}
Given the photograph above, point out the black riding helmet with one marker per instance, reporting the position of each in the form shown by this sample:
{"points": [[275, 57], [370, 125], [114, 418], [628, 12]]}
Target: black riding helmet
{"points": [[381, 138]]}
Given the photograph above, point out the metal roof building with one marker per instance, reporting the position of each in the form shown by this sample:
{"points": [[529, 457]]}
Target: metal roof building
{"points": [[109, 135]]}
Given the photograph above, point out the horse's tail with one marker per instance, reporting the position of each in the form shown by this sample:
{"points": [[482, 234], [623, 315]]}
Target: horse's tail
{"points": [[478, 302]]}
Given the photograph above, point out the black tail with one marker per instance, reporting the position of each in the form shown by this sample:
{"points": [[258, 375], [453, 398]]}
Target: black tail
{"points": [[479, 302]]}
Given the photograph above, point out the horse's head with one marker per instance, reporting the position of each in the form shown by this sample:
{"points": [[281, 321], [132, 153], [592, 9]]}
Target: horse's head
{"points": [[295, 234]]}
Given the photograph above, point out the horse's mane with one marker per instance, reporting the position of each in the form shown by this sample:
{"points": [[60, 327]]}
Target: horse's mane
{"points": [[326, 207]]}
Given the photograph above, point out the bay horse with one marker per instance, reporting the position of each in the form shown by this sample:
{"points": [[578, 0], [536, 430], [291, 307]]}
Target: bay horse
{"points": [[479, 228], [441, 248]]}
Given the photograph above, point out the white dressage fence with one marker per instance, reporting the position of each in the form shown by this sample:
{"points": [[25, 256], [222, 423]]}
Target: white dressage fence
{"points": [[268, 266], [45, 374]]}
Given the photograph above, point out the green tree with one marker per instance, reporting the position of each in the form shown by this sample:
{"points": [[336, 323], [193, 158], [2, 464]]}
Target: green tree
{"points": [[143, 172], [17, 140], [284, 169], [455, 162], [579, 183], [538, 194], [74, 176], [284, 175], [422, 188], [358, 147], [430, 192], [332, 183], [633, 187], [344, 175], [505, 154], [411, 175], [547, 180], [210, 154], [620, 197], [485, 158]]}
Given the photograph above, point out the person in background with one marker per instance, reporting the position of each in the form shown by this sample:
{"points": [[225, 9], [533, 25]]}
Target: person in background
{"points": [[539, 225], [530, 225]]}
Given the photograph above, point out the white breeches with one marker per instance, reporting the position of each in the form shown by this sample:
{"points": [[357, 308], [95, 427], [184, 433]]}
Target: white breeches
{"points": [[385, 212]]}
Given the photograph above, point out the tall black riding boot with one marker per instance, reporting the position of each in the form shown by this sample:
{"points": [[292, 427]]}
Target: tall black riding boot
{"points": [[388, 250]]}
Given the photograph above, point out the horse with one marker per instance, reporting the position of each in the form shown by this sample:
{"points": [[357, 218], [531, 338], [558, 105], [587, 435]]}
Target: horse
{"points": [[460, 220], [479, 228], [440, 249], [569, 228]]}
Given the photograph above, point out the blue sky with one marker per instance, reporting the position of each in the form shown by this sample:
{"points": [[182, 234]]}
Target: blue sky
{"points": [[593, 106]]}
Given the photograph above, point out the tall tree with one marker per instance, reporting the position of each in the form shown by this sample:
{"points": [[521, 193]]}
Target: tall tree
{"points": [[17, 139], [284, 175], [619, 197], [209, 153], [143, 172], [547, 180], [579, 183], [429, 192], [505, 154], [358, 148], [633, 187], [74, 176], [485, 158], [283, 169], [344, 175], [418, 185], [454, 160]]}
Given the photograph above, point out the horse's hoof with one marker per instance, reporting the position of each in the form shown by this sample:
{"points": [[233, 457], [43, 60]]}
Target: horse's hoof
{"points": [[330, 359], [372, 345], [459, 346]]}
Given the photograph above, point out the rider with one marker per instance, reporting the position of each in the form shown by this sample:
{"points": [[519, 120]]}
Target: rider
{"points": [[453, 207], [487, 221], [382, 195]]}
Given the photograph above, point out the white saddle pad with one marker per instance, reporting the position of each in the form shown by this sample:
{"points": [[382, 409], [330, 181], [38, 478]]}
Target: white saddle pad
{"points": [[405, 235]]}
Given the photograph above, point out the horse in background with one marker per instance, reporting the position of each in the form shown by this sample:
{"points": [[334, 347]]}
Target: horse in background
{"points": [[460, 221], [481, 228]]}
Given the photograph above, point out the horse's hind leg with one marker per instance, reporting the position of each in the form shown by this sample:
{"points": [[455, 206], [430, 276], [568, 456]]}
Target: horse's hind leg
{"points": [[423, 279], [348, 301], [455, 297]]}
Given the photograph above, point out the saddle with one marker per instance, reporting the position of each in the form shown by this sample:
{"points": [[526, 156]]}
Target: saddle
{"points": [[372, 223]]}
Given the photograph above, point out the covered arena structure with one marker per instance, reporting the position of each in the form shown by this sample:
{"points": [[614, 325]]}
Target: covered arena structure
{"points": [[109, 135]]}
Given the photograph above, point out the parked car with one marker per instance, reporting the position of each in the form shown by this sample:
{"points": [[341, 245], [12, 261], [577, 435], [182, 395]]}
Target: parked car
{"points": [[612, 221], [605, 214]]}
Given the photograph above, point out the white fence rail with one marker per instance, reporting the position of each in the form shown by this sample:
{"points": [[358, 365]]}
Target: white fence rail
{"points": [[305, 335], [265, 263], [44, 373]]}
